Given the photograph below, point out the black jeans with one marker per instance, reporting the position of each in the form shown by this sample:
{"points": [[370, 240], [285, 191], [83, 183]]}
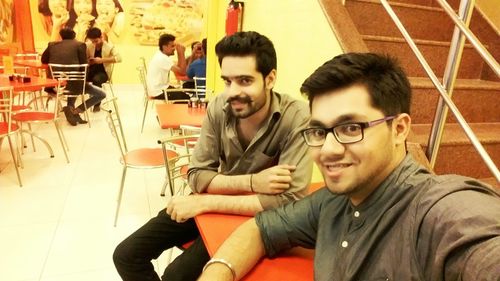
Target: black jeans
{"points": [[132, 257]]}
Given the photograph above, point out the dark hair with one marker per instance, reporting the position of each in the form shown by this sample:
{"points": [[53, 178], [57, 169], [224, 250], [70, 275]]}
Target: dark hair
{"points": [[67, 33], [194, 43], [165, 39], [247, 44], [204, 45], [94, 33], [384, 79]]}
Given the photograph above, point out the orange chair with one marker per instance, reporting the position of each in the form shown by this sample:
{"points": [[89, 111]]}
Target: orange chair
{"points": [[44, 116], [7, 128], [140, 158]]}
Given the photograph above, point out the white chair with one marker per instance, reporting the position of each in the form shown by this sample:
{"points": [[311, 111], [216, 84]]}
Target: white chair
{"points": [[75, 74]]}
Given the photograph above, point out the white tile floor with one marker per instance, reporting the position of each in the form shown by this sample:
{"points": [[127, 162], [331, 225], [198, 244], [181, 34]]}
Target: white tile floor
{"points": [[59, 225]]}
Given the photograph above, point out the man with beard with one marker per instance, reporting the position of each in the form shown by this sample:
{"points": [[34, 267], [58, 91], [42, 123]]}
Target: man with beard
{"points": [[381, 216], [250, 157]]}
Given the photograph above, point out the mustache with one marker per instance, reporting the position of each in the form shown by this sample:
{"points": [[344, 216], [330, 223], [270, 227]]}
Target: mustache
{"points": [[242, 99]]}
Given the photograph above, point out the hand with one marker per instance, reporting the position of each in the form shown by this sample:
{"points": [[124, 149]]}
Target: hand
{"points": [[180, 48], [60, 21], [95, 60], [182, 208], [273, 180]]}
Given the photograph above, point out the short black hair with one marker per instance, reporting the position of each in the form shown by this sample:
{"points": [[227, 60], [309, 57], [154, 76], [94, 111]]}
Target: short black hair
{"points": [[165, 39], [94, 33], [67, 33], [382, 75], [249, 43]]}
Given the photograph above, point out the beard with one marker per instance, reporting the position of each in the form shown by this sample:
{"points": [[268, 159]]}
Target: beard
{"points": [[243, 112]]}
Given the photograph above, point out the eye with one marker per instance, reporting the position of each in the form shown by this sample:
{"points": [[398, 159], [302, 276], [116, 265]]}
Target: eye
{"points": [[227, 82], [245, 81], [317, 133], [349, 129]]}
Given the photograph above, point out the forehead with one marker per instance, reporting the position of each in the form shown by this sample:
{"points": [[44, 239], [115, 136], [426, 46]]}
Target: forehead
{"points": [[353, 101], [237, 66]]}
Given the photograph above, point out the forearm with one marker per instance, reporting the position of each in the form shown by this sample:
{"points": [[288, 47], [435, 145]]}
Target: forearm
{"points": [[243, 249], [237, 184], [181, 62], [247, 205]]}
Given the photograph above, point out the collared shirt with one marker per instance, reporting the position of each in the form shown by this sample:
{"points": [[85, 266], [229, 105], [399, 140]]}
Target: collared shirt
{"points": [[158, 73], [278, 141], [415, 226]]}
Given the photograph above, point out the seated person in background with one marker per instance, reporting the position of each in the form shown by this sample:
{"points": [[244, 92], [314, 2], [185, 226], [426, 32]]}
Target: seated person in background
{"points": [[71, 51], [161, 64], [101, 56], [199, 67], [196, 53], [249, 157], [381, 216]]}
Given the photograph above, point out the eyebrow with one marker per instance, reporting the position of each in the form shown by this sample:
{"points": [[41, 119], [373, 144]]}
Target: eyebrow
{"points": [[236, 77], [342, 119]]}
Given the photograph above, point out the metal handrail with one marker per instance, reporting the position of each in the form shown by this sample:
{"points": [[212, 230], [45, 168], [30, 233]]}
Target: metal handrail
{"points": [[450, 74], [442, 91]]}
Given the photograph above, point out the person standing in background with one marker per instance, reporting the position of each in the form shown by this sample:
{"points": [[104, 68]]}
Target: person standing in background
{"points": [[101, 56]]}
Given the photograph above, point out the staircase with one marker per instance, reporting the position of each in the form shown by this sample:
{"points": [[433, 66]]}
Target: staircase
{"points": [[364, 25]]}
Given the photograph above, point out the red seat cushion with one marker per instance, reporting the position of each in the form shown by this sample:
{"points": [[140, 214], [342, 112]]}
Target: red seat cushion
{"points": [[4, 128], [28, 116]]}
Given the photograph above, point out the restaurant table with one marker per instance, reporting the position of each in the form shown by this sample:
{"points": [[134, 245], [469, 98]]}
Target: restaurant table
{"points": [[36, 83], [172, 115], [294, 265]]}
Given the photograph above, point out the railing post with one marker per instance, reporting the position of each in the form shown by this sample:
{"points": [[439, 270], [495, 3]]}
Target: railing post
{"points": [[450, 74]]}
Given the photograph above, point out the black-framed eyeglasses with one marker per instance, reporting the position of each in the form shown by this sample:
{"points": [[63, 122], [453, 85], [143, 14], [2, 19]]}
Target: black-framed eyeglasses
{"points": [[343, 133]]}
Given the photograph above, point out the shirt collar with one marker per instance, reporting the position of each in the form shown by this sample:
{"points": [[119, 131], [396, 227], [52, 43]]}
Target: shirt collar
{"points": [[395, 183]]}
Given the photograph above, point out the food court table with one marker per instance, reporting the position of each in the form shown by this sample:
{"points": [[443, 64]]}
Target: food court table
{"points": [[294, 265], [36, 83], [172, 115]]}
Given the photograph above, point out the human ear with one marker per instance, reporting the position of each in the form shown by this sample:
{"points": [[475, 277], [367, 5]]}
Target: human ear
{"points": [[401, 128], [270, 79]]}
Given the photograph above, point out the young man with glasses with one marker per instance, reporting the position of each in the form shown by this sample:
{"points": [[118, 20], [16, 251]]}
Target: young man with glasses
{"points": [[381, 216]]}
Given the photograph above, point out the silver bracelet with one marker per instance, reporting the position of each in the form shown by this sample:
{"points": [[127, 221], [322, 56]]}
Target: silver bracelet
{"points": [[224, 262]]}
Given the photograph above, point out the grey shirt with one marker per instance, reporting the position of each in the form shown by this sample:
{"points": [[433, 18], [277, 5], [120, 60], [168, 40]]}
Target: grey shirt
{"points": [[415, 226], [278, 141]]}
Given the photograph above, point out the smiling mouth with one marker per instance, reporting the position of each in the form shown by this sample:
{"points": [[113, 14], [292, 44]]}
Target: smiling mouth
{"points": [[336, 169]]}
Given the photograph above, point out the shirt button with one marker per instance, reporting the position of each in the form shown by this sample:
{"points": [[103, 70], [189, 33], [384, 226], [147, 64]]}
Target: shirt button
{"points": [[345, 244], [356, 214]]}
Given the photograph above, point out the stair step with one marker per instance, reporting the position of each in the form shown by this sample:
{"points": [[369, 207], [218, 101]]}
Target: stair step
{"points": [[431, 3], [492, 181], [476, 99], [422, 22], [456, 154], [435, 53]]}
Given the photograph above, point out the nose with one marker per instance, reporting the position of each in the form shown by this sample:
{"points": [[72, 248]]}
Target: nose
{"points": [[233, 90], [332, 146]]}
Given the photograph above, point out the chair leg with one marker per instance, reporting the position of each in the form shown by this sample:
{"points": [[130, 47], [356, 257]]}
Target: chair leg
{"points": [[32, 140], [15, 162], [162, 193], [120, 193], [61, 137], [144, 115]]}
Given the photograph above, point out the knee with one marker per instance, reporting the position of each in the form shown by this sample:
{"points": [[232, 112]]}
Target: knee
{"points": [[125, 253]]}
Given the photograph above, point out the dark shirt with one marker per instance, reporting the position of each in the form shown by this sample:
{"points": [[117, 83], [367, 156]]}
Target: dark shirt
{"points": [[415, 226]]}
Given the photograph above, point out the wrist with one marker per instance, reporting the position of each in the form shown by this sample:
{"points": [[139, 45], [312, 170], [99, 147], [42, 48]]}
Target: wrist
{"points": [[220, 268]]}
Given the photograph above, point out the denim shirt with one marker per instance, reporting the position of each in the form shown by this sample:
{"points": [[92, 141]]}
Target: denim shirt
{"points": [[415, 226]]}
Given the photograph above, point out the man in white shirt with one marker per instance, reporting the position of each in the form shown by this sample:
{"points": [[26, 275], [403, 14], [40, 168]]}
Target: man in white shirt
{"points": [[161, 64]]}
